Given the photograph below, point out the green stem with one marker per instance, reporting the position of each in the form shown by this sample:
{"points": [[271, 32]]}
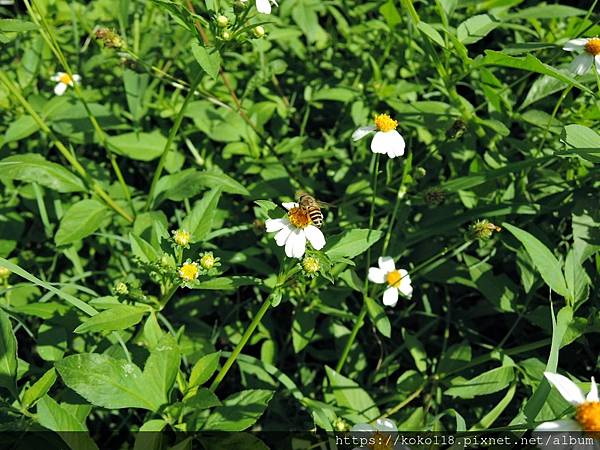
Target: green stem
{"points": [[359, 322], [171, 138], [14, 90], [238, 348], [399, 196], [554, 112]]}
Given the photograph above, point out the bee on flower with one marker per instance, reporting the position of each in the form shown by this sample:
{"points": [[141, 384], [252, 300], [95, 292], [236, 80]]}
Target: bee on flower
{"points": [[294, 230], [398, 281], [64, 80], [587, 408], [590, 54], [386, 139]]}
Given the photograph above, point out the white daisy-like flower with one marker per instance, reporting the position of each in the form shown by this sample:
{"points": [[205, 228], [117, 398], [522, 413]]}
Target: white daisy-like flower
{"points": [[587, 411], [264, 6], [386, 139], [294, 230], [590, 48], [398, 281], [64, 80], [381, 436]]}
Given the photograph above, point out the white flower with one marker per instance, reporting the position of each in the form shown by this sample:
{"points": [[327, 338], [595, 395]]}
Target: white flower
{"points": [[63, 81], [264, 6], [587, 410], [294, 230], [382, 436], [386, 139], [397, 280], [590, 56]]}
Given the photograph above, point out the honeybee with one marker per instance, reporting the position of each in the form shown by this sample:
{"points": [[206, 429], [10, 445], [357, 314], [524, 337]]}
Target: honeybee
{"points": [[312, 207]]}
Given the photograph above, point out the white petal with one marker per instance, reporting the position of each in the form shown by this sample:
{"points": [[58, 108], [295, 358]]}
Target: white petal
{"points": [[76, 77], [386, 263], [289, 205], [405, 285], [386, 425], [376, 275], [263, 6], [276, 224], [390, 297], [315, 237], [593, 394], [295, 245], [597, 61], [575, 44], [559, 425], [390, 142], [581, 64], [569, 390], [57, 76], [362, 428], [282, 236], [361, 132], [60, 88]]}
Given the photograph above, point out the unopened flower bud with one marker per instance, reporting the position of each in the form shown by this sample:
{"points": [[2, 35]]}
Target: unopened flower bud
{"points": [[222, 21], [121, 288], [4, 273], [258, 31], [226, 35], [208, 261], [182, 237]]}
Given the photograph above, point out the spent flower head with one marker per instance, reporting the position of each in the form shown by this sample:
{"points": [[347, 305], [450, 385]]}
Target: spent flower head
{"points": [[121, 288], [110, 38], [386, 140], [310, 266], [483, 229]]}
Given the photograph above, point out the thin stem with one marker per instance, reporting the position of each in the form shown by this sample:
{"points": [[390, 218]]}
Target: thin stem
{"points": [[238, 348], [171, 138], [399, 196], [554, 112], [403, 403], [357, 325]]}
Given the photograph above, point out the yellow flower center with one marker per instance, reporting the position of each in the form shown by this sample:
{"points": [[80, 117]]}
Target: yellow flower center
{"points": [[383, 441], [311, 264], [593, 46], [385, 123], [299, 217], [393, 278], [182, 237], [588, 416], [65, 78], [189, 271]]}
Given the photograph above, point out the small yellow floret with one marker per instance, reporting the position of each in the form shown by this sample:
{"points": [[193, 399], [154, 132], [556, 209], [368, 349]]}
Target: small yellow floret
{"points": [[593, 46], [385, 123], [393, 278], [311, 264], [189, 271], [65, 78], [299, 217], [588, 416]]}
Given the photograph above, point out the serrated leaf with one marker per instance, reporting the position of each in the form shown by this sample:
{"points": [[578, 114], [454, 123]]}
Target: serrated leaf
{"points": [[39, 388], [350, 395], [81, 219], [352, 243], [34, 168], [204, 369], [239, 411], [139, 146], [475, 28], [209, 59], [119, 317]]}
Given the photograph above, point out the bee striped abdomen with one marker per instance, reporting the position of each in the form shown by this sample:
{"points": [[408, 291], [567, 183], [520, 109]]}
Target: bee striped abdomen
{"points": [[316, 216]]}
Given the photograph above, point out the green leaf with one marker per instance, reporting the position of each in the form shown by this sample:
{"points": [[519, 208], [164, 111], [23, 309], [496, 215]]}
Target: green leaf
{"points": [[348, 394], [105, 381], [81, 220], [135, 89], [584, 141], [8, 354], [352, 243], [303, 328], [209, 60], [119, 317], [161, 369], [16, 26], [486, 383], [486, 421], [226, 283], [576, 278], [378, 316], [554, 11], [202, 399], [53, 416], [531, 64], [34, 168], [29, 277], [21, 128], [431, 33], [239, 411], [139, 146], [142, 249], [39, 388], [475, 28], [204, 369], [416, 350], [199, 221], [543, 259]]}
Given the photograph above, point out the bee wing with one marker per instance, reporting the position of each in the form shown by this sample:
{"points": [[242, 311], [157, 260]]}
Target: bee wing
{"points": [[325, 204]]}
